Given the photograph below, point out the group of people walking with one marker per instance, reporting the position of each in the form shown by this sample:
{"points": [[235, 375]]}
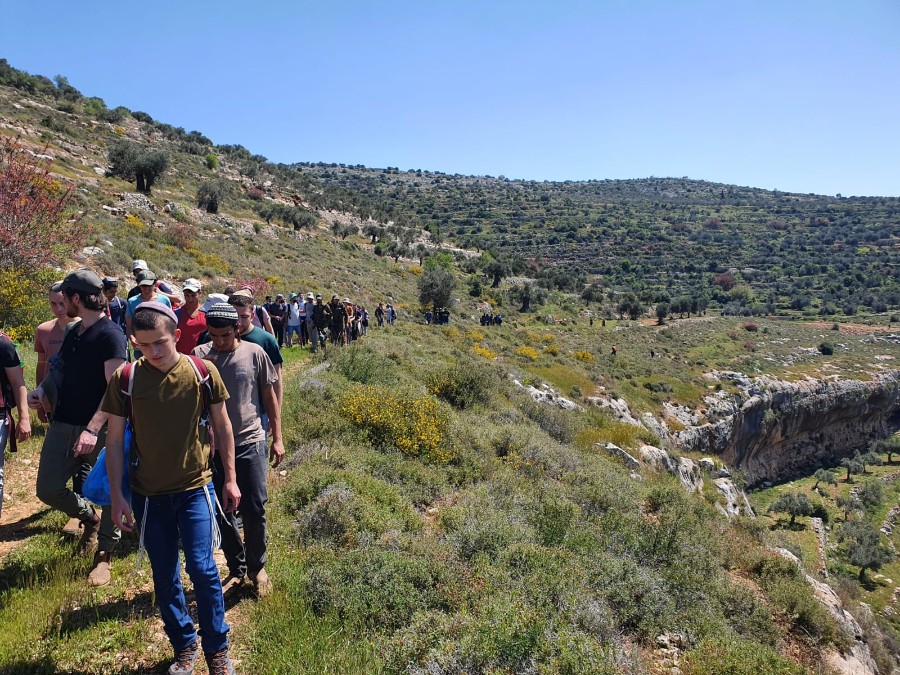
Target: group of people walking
{"points": [[185, 393]]}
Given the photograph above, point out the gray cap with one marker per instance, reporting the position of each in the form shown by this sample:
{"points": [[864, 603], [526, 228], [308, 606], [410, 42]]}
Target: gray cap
{"points": [[83, 281]]}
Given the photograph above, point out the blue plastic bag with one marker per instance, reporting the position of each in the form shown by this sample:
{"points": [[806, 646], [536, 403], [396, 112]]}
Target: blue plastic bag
{"points": [[96, 486]]}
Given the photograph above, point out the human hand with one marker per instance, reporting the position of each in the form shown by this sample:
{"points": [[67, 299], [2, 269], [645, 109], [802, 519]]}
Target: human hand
{"points": [[231, 497], [276, 452]]}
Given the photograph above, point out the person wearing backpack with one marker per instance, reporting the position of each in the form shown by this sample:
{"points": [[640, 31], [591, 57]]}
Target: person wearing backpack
{"points": [[249, 376], [169, 468], [90, 353], [13, 395]]}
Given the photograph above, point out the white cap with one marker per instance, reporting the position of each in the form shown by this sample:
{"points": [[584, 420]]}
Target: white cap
{"points": [[212, 299], [139, 265], [192, 285]]}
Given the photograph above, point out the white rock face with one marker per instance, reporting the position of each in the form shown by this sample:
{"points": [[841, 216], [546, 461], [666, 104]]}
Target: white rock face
{"points": [[617, 452], [546, 394], [857, 660]]}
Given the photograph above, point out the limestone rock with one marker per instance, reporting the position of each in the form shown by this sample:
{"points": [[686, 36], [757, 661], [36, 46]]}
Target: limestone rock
{"points": [[658, 460], [615, 451], [736, 502], [857, 660]]}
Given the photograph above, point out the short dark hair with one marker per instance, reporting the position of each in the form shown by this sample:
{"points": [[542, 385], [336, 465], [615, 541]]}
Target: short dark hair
{"points": [[229, 290], [95, 303], [149, 319], [240, 301], [220, 322]]}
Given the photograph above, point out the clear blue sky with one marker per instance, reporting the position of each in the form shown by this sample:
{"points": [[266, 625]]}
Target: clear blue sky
{"points": [[798, 95]]}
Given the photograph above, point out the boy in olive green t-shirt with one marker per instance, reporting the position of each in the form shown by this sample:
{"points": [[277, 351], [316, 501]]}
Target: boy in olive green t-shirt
{"points": [[173, 496]]}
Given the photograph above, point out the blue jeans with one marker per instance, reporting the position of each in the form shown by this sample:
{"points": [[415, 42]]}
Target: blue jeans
{"points": [[189, 515]]}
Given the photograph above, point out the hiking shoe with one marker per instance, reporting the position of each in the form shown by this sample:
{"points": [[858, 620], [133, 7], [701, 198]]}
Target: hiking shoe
{"points": [[184, 660], [88, 541], [219, 662], [100, 573], [262, 584], [232, 584], [72, 528]]}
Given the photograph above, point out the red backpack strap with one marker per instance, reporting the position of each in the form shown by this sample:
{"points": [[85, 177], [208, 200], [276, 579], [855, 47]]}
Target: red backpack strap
{"points": [[126, 385], [203, 378]]}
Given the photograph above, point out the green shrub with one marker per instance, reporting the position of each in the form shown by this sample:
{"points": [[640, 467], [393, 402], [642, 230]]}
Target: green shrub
{"points": [[420, 483], [375, 588], [340, 507], [361, 363], [464, 384], [212, 161], [733, 656], [558, 423], [826, 349]]}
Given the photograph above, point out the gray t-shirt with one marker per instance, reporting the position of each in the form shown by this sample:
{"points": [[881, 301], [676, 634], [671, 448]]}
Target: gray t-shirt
{"points": [[245, 371]]}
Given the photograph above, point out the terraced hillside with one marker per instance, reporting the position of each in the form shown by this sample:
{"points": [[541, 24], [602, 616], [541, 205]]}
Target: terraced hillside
{"points": [[662, 236]]}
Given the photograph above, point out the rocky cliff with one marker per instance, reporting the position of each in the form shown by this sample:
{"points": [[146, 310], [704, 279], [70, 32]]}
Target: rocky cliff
{"points": [[774, 429]]}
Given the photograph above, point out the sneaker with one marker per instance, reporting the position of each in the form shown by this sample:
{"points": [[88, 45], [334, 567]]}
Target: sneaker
{"points": [[100, 574], [88, 541], [219, 662], [72, 528], [262, 584], [233, 583], [184, 660]]}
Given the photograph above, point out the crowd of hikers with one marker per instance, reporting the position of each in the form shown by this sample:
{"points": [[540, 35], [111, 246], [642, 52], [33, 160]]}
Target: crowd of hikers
{"points": [[185, 395]]}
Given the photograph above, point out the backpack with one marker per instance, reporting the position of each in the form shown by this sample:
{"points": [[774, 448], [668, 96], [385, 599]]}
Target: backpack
{"points": [[126, 385], [7, 400]]}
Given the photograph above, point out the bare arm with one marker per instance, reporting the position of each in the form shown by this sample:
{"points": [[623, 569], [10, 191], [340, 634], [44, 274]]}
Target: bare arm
{"points": [[273, 410], [267, 322], [43, 363], [231, 495], [115, 469], [17, 380], [279, 389], [87, 441]]}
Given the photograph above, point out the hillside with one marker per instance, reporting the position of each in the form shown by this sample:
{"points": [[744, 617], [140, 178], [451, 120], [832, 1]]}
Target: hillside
{"points": [[450, 502]]}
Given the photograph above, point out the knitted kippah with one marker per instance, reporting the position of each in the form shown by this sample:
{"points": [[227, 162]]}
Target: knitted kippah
{"points": [[222, 310]]}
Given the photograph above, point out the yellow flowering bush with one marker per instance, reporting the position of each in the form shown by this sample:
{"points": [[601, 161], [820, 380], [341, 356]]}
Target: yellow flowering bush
{"points": [[207, 259], [415, 425], [484, 352], [585, 357], [552, 350], [475, 335], [134, 221], [527, 352]]}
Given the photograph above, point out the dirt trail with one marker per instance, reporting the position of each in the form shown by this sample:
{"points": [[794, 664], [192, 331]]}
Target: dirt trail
{"points": [[21, 506]]}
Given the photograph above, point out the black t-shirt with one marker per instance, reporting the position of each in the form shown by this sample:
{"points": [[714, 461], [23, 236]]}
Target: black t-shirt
{"points": [[117, 311], [84, 375], [8, 359]]}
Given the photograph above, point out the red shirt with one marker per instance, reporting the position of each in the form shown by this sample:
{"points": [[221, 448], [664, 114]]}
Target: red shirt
{"points": [[191, 328]]}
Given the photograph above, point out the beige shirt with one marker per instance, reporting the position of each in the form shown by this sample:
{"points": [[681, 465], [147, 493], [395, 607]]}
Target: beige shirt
{"points": [[245, 371]]}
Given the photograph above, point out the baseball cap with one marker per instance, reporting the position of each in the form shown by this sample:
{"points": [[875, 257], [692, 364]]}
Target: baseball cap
{"points": [[310, 296], [244, 293], [319, 296], [334, 297], [212, 299], [83, 281], [139, 265], [222, 310], [110, 282], [146, 278], [157, 307], [292, 296], [280, 295], [192, 285]]}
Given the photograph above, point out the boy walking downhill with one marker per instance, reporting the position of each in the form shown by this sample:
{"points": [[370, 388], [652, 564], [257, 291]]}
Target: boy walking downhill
{"points": [[89, 355], [172, 493], [249, 376]]}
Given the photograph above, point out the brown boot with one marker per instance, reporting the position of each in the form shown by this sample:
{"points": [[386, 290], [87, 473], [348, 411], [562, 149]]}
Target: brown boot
{"points": [[100, 574], [88, 542], [72, 528]]}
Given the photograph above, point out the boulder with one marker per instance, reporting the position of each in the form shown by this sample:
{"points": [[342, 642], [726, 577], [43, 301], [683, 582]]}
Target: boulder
{"points": [[708, 465], [658, 460], [615, 451]]}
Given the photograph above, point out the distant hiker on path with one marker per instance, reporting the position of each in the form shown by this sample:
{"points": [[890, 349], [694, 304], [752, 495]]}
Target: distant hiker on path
{"points": [[172, 491]]}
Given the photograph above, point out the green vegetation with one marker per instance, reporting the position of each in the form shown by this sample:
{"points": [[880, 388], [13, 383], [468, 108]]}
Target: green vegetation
{"points": [[432, 515]]}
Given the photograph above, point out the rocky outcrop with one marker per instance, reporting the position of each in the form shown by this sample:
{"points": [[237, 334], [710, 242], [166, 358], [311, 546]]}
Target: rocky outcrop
{"points": [[857, 660], [779, 429]]}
